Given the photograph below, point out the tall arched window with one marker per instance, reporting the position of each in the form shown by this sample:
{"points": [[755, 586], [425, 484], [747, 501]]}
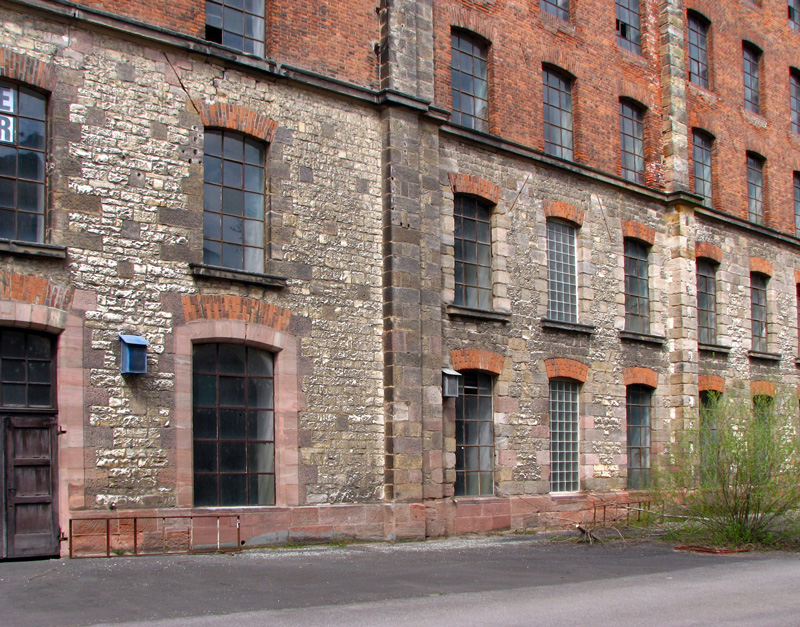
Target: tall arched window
{"points": [[474, 435], [233, 201], [233, 425], [23, 143]]}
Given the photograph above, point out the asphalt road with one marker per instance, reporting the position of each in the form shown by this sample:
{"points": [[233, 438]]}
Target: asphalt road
{"points": [[516, 580]]}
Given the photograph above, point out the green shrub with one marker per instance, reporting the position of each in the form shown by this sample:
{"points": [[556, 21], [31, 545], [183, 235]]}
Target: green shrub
{"points": [[735, 473]]}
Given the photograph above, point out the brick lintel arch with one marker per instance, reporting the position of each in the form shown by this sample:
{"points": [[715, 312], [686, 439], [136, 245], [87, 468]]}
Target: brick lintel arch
{"points": [[237, 118], [761, 265], [468, 19], [28, 70], [639, 375], [474, 186], [564, 211], [707, 250], [476, 359], [763, 388], [213, 307], [710, 383], [637, 230], [565, 368]]}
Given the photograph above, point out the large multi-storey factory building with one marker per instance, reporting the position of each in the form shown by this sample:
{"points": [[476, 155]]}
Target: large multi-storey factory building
{"points": [[283, 269]]}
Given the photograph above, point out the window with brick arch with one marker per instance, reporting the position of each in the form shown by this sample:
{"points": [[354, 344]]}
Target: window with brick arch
{"points": [[702, 143], [629, 28], [233, 425], [474, 436], [698, 49], [557, 97], [23, 157], [470, 80], [564, 436], [639, 400], [238, 24], [706, 301], [631, 123], [233, 201], [559, 8], [637, 287], [794, 14], [755, 188], [758, 311], [794, 98], [473, 253], [562, 280], [752, 77]]}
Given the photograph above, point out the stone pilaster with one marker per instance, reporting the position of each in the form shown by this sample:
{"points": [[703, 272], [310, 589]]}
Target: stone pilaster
{"points": [[673, 94], [681, 287]]}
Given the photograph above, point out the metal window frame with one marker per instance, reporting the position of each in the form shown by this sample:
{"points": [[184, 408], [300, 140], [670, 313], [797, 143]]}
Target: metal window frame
{"points": [[755, 188], [629, 25], [637, 286], [557, 8], [758, 311], [794, 96], [471, 216], [562, 271], [702, 172], [250, 379], [794, 13], [557, 114], [251, 42], [467, 46], [236, 250], [796, 178], [16, 181], [27, 360], [751, 57], [564, 436], [631, 126], [475, 462], [706, 301], [638, 415], [697, 28]]}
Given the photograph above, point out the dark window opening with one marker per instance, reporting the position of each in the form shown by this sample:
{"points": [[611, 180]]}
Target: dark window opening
{"points": [[470, 82], [637, 287], [473, 253], [233, 426], [638, 409], [629, 33]]}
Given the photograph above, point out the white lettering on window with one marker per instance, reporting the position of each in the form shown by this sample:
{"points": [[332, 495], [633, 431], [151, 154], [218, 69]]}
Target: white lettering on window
{"points": [[6, 129], [7, 99]]}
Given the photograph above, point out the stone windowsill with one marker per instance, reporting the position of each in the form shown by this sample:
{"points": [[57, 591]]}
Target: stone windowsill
{"points": [[572, 327], [226, 274], [645, 338], [764, 356], [33, 250], [477, 314], [568, 497], [713, 348]]}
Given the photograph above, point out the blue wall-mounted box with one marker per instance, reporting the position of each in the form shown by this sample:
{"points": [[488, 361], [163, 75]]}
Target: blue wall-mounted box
{"points": [[134, 354]]}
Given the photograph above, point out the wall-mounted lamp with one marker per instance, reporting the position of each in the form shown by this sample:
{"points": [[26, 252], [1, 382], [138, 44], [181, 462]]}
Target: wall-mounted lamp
{"points": [[133, 358], [450, 379]]}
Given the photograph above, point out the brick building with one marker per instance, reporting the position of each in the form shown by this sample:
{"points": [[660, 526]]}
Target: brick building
{"points": [[585, 214]]}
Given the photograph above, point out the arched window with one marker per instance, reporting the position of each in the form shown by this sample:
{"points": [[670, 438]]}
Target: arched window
{"points": [[639, 399], [233, 425], [473, 253], [233, 201], [23, 142], [474, 435]]}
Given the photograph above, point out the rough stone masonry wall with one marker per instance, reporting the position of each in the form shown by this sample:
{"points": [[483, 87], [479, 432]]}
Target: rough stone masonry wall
{"points": [[127, 199], [521, 408]]}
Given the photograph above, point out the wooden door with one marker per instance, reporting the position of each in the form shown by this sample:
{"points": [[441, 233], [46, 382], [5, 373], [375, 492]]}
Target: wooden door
{"points": [[28, 518], [31, 523]]}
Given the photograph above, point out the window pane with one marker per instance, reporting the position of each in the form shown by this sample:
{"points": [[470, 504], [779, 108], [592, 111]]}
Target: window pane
{"points": [[632, 141], [473, 264], [557, 95], [562, 292], [638, 404]]}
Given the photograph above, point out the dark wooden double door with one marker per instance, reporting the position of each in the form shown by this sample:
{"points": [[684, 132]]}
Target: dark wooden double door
{"points": [[29, 520]]}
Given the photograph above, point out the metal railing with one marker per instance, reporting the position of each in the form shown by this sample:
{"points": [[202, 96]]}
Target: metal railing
{"points": [[150, 534]]}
